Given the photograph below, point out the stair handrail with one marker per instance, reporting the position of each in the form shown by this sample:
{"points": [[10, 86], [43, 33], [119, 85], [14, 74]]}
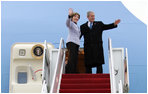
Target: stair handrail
{"points": [[46, 68], [61, 72], [111, 68], [59, 65], [126, 73]]}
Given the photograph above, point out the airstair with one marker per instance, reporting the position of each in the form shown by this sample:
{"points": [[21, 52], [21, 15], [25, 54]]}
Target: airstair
{"points": [[39, 67], [56, 81]]}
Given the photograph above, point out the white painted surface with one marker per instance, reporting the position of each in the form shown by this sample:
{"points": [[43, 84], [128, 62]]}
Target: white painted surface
{"points": [[117, 68], [23, 64], [46, 67], [118, 60], [138, 8], [58, 69], [111, 68], [120, 87]]}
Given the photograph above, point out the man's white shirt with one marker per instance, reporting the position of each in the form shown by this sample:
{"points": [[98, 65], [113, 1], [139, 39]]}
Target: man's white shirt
{"points": [[89, 24]]}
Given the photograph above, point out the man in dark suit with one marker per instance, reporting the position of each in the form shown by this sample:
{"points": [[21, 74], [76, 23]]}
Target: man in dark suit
{"points": [[93, 45]]}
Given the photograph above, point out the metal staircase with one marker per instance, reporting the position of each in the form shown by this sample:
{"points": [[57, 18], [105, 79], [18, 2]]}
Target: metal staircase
{"points": [[54, 79]]}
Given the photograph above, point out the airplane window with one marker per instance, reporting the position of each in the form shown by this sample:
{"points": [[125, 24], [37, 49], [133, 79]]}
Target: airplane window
{"points": [[22, 77]]}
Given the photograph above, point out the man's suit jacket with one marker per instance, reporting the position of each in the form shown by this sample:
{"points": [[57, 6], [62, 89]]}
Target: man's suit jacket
{"points": [[93, 44]]}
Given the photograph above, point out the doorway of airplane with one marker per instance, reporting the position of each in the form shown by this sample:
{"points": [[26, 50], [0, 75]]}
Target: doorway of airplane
{"points": [[80, 65]]}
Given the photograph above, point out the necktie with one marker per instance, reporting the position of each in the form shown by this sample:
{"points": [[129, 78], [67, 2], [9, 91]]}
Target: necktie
{"points": [[91, 24]]}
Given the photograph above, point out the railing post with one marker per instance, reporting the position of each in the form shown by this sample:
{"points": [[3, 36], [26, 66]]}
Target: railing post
{"points": [[120, 87], [126, 74], [111, 68]]}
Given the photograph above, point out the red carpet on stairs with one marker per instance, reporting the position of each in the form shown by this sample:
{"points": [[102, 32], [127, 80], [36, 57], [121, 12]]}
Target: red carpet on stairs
{"points": [[85, 83]]}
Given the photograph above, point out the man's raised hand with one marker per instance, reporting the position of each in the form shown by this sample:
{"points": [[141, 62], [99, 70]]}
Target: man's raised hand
{"points": [[117, 22]]}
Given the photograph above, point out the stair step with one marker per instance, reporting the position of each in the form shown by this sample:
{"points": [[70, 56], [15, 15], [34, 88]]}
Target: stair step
{"points": [[85, 91], [85, 76], [85, 86], [85, 80], [85, 83]]}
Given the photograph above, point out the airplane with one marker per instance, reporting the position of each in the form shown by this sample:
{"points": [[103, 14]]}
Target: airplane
{"points": [[40, 68], [133, 26]]}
